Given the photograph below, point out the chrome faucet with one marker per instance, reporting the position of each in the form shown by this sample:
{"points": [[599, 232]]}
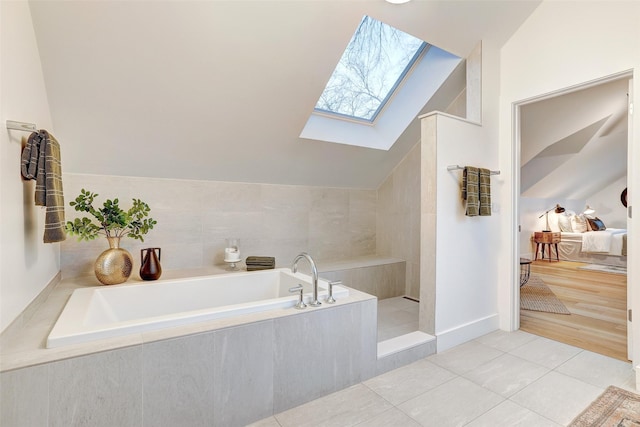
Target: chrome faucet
{"points": [[314, 275]]}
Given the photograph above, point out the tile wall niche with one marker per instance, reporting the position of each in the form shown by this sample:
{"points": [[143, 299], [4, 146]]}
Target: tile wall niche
{"points": [[398, 223], [195, 217]]}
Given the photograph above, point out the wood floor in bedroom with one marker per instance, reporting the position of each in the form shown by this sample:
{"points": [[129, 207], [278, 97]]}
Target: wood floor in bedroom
{"points": [[597, 302]]}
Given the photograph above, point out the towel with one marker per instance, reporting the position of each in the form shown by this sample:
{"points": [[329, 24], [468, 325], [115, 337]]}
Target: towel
{"points": [[260, 263], [471, 190], [485, 192], [41, 161], [476, 191]]}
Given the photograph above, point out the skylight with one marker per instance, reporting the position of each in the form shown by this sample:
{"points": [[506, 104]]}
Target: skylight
{"points": [[372, 66]]}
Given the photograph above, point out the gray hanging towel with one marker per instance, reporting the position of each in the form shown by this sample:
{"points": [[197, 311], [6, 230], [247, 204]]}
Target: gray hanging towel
{"points": [[41, 161]]}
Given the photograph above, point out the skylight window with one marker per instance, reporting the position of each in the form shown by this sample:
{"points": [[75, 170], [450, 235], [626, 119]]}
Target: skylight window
{"points": [[372, 66]]}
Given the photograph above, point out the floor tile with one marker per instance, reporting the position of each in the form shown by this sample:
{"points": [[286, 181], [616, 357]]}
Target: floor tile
{"points": [[506, 374], [404, 383], [506, 341], [599, 370], [557, 397], [344, 408], [391, 417], [510, 414], [453, 403], [546, 352], [465, 357]]}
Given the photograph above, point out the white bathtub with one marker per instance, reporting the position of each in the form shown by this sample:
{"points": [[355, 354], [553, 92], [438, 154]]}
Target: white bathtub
{"points": [[105, 312]]}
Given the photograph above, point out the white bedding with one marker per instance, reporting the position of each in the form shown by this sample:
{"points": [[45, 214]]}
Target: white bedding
{"points": [[607, 241]]}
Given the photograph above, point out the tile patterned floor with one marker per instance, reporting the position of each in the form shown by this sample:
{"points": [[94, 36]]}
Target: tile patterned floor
{"points": [[500, 379]]}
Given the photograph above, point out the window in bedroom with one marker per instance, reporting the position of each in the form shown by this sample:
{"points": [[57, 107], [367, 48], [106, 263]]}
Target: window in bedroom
{"points": [[372, 66]]}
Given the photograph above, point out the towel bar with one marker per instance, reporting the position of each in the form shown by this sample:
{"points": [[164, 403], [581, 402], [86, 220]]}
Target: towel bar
{"points": [[456, 167], [25, 127]]}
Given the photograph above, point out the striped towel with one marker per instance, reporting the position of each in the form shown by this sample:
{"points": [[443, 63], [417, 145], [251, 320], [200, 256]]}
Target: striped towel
{"points": [[471, 190], [41, 161], [485, 192], [476, 191]]}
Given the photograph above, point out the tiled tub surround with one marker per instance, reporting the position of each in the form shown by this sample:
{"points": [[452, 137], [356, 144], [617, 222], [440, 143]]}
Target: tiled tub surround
{"points": [[200, 374], [195, 217]]}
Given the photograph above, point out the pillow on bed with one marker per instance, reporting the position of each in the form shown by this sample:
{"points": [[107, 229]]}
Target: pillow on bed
{"points": [[579, 224], [596, 224], [564, 222]]}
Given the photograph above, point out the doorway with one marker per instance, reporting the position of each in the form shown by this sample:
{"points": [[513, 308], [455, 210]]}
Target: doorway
{"points": [[571, 150]]}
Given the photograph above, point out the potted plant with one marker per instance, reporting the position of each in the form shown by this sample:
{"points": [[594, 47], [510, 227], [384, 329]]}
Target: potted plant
{"points": [[114, 265]]}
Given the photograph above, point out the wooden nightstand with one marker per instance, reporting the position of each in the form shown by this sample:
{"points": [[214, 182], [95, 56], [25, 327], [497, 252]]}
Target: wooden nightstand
{"points": [[547, 238]]}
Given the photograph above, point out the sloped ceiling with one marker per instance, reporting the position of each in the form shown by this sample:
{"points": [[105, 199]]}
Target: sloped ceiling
{"points": [[220, 90], [574, 145]]}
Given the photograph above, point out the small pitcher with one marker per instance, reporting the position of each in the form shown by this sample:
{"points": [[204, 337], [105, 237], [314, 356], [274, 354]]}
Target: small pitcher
{"points": [[150, 268]]}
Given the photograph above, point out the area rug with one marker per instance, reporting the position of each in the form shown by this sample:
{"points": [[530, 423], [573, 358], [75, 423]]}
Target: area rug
{"points": [[604, 268], [614, 408], [537, 296]]}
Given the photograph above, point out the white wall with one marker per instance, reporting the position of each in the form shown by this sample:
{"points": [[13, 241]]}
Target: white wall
{"points": [[458, 295], [608, 206], [562, 44], [466, 262], [27, 264]]}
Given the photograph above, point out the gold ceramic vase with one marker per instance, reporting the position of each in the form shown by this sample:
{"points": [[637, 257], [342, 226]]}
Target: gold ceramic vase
{"points": [[114, 265]]}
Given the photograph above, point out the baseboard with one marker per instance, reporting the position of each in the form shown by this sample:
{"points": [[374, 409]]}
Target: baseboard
{"points": [[467, 332]]}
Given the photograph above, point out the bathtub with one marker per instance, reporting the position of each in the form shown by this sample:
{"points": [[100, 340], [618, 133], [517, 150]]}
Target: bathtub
{"points": [[106, 312]]}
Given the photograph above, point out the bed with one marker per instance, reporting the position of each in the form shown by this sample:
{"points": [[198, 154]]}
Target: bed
{"points": [[580, 243], [606, 247]]}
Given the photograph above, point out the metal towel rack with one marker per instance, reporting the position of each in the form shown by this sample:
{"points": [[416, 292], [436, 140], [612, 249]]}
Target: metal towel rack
{"points": [[25, 127], [456, 167]]}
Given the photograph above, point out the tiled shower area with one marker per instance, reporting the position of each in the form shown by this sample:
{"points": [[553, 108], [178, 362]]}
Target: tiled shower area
{"points": [[397, 316]]}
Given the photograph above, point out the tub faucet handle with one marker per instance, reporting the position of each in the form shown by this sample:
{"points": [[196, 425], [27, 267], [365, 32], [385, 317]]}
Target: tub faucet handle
{"points": [[300, 304], [330, 299]]}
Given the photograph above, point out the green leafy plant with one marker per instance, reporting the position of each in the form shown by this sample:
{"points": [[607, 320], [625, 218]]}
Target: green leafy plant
{"points": [[113, 221]]}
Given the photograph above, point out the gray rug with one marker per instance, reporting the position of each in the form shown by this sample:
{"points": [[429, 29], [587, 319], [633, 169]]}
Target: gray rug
{"points": [[537, 296], [604, 268]]}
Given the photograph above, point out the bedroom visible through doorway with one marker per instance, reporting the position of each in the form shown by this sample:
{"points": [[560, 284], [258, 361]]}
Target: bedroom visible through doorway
{"points": [[573, 162]]}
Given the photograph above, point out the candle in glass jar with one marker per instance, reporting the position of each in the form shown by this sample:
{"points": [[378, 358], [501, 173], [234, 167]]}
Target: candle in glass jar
{"points": [[231, 254]]}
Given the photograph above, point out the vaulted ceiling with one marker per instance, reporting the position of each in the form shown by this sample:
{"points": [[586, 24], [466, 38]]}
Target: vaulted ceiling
{"points": [[574, 145], [220, 90]]}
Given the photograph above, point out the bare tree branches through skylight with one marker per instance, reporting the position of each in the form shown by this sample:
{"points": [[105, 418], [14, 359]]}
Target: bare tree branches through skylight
{"points": [[373, 64]]}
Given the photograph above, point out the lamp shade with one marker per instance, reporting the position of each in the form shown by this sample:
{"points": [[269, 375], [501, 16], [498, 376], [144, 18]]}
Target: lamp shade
{"points": [[589, 211]]}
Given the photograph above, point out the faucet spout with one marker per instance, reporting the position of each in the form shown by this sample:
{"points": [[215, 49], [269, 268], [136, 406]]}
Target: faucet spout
{"points": [[314, 275]]}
